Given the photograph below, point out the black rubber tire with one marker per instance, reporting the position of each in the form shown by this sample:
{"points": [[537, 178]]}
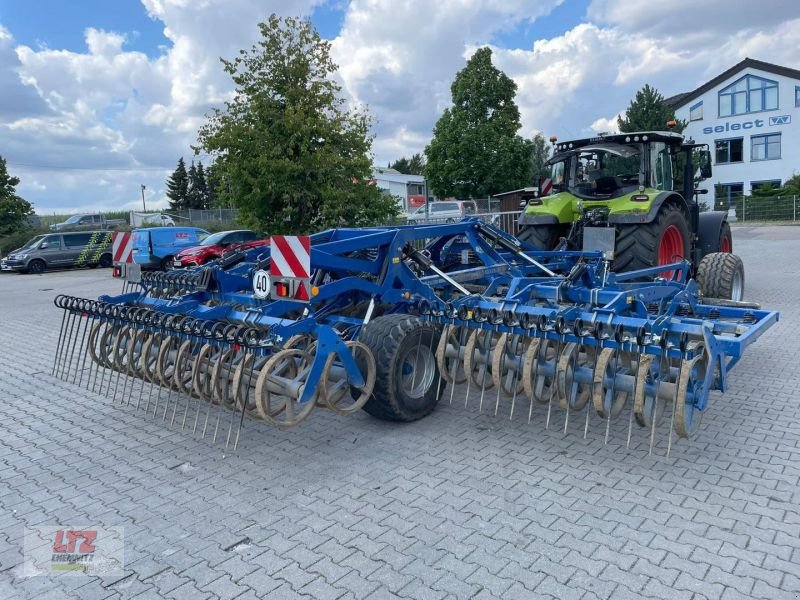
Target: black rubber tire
{"points": [[106, 262], [36, 267], [389, 337], [637, 245], [167, 263], [716, 274], [543, 237]]}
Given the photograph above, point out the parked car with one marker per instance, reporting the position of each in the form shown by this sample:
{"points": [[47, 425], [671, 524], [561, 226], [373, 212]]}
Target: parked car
{"points": [[158, 220], [448, 211], [156, 247], [79, 249], [93, 221], [213, 247]]}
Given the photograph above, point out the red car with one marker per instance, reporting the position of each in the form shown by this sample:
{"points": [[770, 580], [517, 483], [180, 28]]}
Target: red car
{"points": [[217, 244]]}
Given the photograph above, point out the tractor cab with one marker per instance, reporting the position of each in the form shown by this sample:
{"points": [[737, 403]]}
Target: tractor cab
{"points": [[642, 184], [609, 167]]}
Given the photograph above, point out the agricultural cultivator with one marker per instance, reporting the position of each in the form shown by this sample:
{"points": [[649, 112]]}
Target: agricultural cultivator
{"points": [[392, 319]]}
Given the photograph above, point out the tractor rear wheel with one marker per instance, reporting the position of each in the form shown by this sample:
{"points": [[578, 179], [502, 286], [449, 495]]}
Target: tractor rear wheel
{"points": [[721, 275], [543, 237], [662, 241], [407, 382]]}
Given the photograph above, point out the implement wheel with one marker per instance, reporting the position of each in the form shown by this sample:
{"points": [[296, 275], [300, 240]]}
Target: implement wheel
{"points": [[543, 237], [721, 275], [662, 241], [407, 381]]}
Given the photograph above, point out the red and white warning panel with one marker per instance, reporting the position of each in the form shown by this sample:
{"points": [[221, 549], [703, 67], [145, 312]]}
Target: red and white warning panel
{"points": [[290, 256], [122, 247], [121, 252], [290, 268]]}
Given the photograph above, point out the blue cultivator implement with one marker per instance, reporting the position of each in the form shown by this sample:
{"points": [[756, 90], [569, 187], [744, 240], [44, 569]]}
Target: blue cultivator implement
{"points": [[390, 316]]}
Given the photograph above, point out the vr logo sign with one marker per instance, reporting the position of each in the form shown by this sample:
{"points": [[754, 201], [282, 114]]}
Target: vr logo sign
{"points": [[756, 123]]}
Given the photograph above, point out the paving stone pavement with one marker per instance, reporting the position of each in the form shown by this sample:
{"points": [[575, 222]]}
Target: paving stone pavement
{"points": [[459, 505]]}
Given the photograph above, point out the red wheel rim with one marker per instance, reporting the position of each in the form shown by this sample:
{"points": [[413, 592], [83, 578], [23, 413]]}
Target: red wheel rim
{"points": [[726, 245], [671, 247]]}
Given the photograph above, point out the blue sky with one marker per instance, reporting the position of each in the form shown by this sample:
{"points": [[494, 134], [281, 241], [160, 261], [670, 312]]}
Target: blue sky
{"points": [[59, 24], [100, 96]]}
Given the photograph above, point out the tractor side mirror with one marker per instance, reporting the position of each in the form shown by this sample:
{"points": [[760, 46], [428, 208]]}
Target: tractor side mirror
{"points": [[705, 164]]}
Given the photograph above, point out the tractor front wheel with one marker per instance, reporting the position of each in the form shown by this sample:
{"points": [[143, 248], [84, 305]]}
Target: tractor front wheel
{"points": [[662, 241], [543, 237]]}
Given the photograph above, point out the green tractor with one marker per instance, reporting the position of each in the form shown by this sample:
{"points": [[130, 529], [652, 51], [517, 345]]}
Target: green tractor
{"points": [[644, 185]]}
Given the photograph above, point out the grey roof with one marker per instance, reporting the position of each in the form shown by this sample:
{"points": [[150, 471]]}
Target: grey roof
{"points": [[679, 100]]}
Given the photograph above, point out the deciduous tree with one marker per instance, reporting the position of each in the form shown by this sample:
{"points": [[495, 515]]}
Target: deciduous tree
{"points": [[293, 157], [476, 150], [648, 111]]}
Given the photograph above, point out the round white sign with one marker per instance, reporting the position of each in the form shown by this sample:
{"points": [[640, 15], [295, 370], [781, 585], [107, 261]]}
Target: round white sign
{"points": [[261, 284]]}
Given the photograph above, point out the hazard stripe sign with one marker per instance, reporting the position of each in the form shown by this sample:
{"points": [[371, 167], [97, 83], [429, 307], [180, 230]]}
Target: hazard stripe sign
{"points": [[122, 247], [290, 256]]}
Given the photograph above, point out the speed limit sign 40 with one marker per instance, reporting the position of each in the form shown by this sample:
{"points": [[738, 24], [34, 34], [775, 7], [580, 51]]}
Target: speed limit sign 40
{"points": [[261, 284]]}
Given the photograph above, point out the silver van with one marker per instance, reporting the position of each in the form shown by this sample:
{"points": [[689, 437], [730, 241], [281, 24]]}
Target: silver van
{"points": [[59, 250]]}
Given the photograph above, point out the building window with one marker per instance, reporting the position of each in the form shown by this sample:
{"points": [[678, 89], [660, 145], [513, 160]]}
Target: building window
{"points": [[748, 94], [696, 112], [727, 193], [415, 189], [757, 185], [730, 151], [797, 95], [765, 147]]}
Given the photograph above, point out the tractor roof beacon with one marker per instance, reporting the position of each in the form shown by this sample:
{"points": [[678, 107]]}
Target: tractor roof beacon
{"points": [[644, 185]]}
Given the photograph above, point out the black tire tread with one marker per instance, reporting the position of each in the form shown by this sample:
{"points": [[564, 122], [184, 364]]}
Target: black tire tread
{"points": [[715, 274], [637, 245], [543, 237], [383, 336]]}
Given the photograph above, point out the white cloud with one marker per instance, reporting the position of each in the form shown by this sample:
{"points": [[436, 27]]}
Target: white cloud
{"points": [[131, 115]]}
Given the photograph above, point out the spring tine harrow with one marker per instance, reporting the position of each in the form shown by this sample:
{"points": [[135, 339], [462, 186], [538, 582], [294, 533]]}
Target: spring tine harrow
{"points": [[200, 350]]}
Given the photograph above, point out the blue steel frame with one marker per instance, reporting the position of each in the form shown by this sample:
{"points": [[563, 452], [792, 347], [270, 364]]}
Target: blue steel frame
{"points": [[641, 311]]}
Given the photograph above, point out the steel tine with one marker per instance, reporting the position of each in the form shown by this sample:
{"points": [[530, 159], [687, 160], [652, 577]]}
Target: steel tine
{"points": [[114, 361], [514, 395], [635, 380], [60, 342], [225, 390], [674, 405], [213, 388], [69, 340], [234, 396], [554, 385], [98, 365], [454, 374], [502, 352], [613, 391], [445, 332], [189, 397], [171, 343], [244, 403], [535, 374], [655, 401], [487, 339], [77, 349], [145, 372], [91, 376], [81, 354], [153, 375]]}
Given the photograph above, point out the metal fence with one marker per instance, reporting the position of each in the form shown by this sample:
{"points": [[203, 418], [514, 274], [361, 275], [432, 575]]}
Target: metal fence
{"points": [[754, 209], [203, 217]]}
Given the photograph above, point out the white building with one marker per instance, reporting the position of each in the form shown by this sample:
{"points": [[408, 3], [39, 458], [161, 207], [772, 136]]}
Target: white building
{"points": [[750, 118], [409, 188]]}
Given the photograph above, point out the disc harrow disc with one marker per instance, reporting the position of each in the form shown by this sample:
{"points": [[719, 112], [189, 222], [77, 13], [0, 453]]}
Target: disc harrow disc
{"points": [[538, 370], [336, 393], [573, 392], [280, 385], [506, 362], [478, 357], [608, 400], [691, 388], [448, 354]]}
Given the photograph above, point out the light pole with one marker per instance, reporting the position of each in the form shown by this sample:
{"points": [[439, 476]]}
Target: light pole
{"points": [[144, 206]]}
